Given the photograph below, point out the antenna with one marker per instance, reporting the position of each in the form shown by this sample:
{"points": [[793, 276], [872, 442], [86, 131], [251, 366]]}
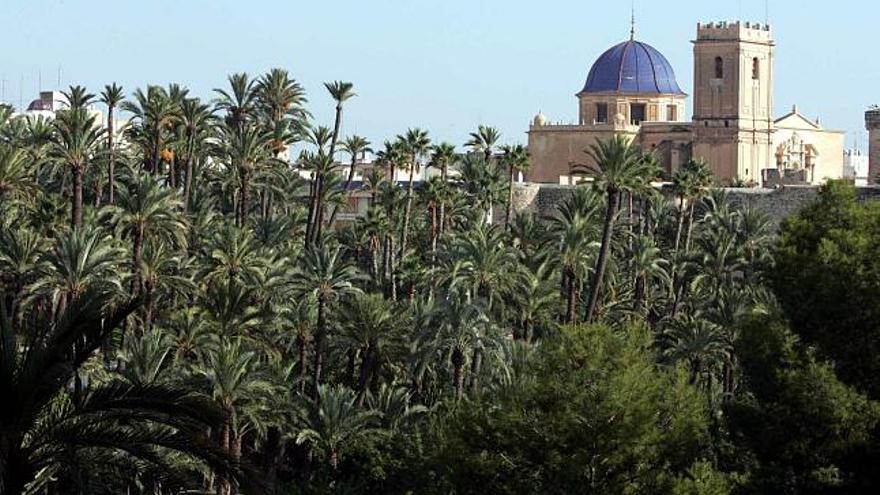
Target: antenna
{"points": [[59, 77], [767, 12], [632, 28]]}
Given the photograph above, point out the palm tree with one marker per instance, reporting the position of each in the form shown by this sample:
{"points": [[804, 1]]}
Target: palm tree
{"points": [[246, 150], [81, 260], [196, 119], [647, 266], [575, 236], [534, 299], [617, 167], [442, 156], [333, 423], [369, 326], [112, 96], [154, 114], [340, 92], [324, 171], [163, 272], [232, 377], [326, 277], [461, 324], [699, 343], [77, 139], [434, 193], [16, 181], [239, 102], [415, 144], [355, 146], [376, 227], [46, 434], [484, 141], [483, 186], [78, 97], [21, 261], [280, 97], [147, 212], [689, 183], [232, 256], [487, 264], [40, 133], [516, 159]]}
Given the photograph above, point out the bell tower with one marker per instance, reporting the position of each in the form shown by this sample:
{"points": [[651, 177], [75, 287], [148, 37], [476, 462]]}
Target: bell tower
{"points": [[733, 100]]}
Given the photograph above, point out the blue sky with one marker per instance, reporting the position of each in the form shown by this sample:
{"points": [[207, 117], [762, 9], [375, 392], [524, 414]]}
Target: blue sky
{"points": [[444, 65]]}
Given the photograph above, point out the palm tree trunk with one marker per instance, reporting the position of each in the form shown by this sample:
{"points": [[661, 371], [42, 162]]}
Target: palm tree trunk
{"points": [[457, 373], [392, 268], [374, 260], [172, 173], [137, 257], [303, 361], [77, 203], [224, 487], [348, 182], [408, 211], [337, 126], [187, 181], [98, 191], [690, 228], [571, 297], [631, 226], [604, 250], [434, 233], [273, 451], [639, 295], [320, 335], [476, 366], [368, 366], [245, 203], [111, 158], [309, 218], [444, 170], [680, 227], [154, 160], [319, 213]]}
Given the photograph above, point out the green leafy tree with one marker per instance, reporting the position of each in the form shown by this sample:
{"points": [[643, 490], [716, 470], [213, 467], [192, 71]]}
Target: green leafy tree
{"points": [[827, 278]]}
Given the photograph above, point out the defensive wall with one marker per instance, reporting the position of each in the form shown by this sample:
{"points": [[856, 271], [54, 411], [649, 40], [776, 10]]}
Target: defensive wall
{"points": [[777, 204]]}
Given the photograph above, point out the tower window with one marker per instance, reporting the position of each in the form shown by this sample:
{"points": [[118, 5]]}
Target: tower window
{"points": [[671, 113], [756, 69], [719, 68], [601, 113], [637, 113]]}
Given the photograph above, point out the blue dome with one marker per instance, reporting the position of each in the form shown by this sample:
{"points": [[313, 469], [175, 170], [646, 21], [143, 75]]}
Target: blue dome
{"points": [[632, 67]]}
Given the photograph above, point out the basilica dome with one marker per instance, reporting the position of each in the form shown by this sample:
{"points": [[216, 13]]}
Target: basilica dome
{"points": [[632, 67]]}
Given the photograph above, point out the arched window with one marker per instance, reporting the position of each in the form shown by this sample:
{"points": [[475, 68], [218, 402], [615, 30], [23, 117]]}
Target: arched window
{"points": [[756, 69], [719, 68]]}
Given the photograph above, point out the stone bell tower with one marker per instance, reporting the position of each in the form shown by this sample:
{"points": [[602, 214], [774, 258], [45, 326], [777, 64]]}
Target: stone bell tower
{"points": [[733, 100]]}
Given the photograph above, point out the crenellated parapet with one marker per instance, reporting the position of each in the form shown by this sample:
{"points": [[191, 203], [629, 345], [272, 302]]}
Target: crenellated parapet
{"points": [[739, 31]]}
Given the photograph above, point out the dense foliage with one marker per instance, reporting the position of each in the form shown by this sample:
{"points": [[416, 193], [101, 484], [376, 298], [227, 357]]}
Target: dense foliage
{"points": [[183, 307]]}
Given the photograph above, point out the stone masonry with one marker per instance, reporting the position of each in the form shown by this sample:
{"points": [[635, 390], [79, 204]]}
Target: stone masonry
{"points": [[777, 204]]}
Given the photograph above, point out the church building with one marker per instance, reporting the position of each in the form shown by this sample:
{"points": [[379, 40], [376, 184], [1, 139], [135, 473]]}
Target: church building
{"points": [[631, 90]]}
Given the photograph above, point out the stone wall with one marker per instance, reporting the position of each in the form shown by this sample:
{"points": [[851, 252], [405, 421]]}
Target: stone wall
{"points": [[777, 204]]}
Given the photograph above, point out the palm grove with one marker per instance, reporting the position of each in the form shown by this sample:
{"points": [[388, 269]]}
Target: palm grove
{"points": [[181, 311]]}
